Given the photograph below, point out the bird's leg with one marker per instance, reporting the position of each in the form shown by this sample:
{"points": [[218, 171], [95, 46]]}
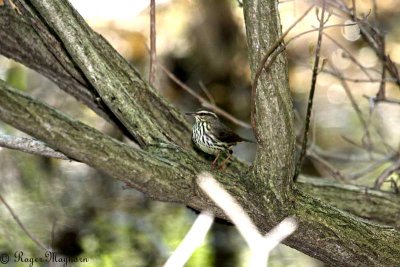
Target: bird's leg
{"points": [[223, 164], [215, 161]]}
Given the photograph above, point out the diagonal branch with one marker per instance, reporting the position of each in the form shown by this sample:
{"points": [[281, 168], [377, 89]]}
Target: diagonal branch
{"points": [[168, 174], [356, 108], [154, 175], [166, 171], [31, 146], [22, 226], [24, 40], [202, 100], [395, 167], [124, 92], [378, 206], [47, 48], [373, 36]]}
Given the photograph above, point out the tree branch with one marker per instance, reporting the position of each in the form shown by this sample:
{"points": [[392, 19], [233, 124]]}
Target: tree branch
{"points": [[262, 64], [334, 231], [22, 39], [31, 146], [166, 171], [147, 116], [153, 35], [22, 226], [202, 100], [378, 206], [315, 72], [273, 111], [395, 166]]}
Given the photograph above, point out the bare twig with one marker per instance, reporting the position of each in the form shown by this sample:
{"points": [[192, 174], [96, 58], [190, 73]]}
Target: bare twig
{"points": [[219, 111], [386, 173], [381, 95], [385, 100], [202, 100], [374, 10], [373, 36], [21, 225], [207, 93], [376, 149], [264, 60], [354, 7], [31, 146], [362, 158], [12, 5], [326, 165], [355, 107], [275, 46], [351, 57], [311, 96], [357, 174], [394, 185], [317, 29], [382, 90], [358, 80], [153, 54]]}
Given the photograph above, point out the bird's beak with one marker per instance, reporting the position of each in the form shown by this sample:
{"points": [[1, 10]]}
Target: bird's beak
{"points": [[190, 113]]}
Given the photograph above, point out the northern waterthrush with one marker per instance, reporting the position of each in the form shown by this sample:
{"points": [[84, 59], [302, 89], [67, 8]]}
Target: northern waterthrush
{"points": [[213, 137]]}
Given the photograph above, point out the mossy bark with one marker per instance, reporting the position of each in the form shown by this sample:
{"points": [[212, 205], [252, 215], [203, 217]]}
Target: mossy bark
{"points": [[82, 63]]}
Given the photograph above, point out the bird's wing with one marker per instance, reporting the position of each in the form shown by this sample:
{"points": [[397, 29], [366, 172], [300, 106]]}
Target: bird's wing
{"points": [[225, 134]]}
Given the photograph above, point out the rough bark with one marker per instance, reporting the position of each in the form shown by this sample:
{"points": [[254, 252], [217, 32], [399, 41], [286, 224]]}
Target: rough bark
{"points": [[335, 235], [168, 173], [274, 165], [31, 146], [166, 166], [367, 203]]}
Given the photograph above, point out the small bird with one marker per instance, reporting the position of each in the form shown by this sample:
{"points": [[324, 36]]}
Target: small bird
{"points": [[213, 137]]}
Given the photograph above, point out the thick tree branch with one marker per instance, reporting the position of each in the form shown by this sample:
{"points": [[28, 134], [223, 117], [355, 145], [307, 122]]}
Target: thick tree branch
{"points": [[166, 171], [27, 40], [31, 146], [378, 206], [324, 231], [20, 41], [275, 161], [147, 116]]}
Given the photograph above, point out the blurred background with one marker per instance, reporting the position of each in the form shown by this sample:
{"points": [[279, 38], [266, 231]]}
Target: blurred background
{"points": [[82, 212]]}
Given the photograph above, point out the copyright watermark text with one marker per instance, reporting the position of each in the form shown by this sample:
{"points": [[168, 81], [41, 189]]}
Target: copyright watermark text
{"points": [[48, 256]]}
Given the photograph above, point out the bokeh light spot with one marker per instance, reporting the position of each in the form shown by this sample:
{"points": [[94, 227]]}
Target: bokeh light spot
{"points": [[367, 57], [339, 59], [351, 31]]}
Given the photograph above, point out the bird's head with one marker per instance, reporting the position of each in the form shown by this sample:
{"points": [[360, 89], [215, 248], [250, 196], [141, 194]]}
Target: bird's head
{"points": [[203, 116]]}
